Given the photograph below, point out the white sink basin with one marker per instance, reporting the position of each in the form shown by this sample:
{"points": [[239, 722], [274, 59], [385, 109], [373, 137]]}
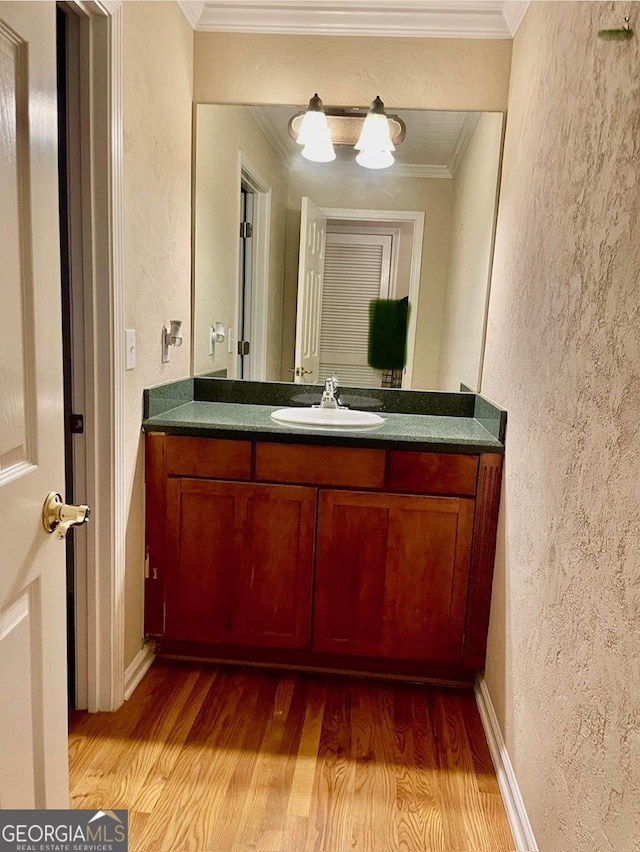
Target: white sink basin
{"points": [[327, 418]]}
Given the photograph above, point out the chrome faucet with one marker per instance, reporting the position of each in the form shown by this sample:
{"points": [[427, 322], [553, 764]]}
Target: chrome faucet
{"points": [[329, 394]]}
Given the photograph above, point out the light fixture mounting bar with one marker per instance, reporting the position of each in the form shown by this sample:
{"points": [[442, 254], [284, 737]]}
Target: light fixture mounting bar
{"points": [[345, 124]]}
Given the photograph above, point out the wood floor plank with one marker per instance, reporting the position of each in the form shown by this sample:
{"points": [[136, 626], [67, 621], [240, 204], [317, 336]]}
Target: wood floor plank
{"points": [[482, 763], [374, 828], [253, 815], [137, 823], [496, 826], [286, 745], [229, 759], [294, 835], [329, 823], [88, 728], [294, 828], [152, 740], [299, 803], [163, 760], [117, 774], [419, 814], [203, 772], [463, 818]]}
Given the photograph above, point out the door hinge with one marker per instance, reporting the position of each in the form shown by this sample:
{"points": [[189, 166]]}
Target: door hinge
{"points": [[76, 424], [243, 347], [246, 230]]}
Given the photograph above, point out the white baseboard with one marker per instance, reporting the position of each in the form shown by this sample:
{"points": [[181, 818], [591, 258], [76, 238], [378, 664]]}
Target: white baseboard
{"points": [[138, 668], [511, 796]]}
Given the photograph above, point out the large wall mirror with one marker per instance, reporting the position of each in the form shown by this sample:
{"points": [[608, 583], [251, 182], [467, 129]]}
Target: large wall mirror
{"points": [[271, 228]]}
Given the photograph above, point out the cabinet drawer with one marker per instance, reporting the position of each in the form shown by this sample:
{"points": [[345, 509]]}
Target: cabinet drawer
{"points": [[433, 473], [313, 465], [211, 457]]}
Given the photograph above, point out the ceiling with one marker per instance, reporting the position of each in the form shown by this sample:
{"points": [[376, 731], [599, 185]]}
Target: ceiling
{"points": [[410, 18], [433, 147]]}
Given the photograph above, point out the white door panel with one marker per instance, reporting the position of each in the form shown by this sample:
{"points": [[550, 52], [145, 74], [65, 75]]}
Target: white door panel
{"points": [[313, 230], [357, 270], [33, 758]]}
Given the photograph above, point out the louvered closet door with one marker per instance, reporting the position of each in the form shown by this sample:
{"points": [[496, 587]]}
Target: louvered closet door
{"points": [[357, 270]]}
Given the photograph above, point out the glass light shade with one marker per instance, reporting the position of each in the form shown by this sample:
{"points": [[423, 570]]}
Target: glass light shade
{"points": [[371, 158], [319, 151], [375, 134], [314, 126], [314, 134]]}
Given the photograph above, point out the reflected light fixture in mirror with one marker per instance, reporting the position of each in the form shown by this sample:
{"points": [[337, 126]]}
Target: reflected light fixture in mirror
{"points": [[372, 133], [314, 134], [375, 145]]}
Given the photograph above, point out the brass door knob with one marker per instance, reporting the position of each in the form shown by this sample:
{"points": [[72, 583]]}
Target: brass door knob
{"points": [[58, 516], [300, 371]]}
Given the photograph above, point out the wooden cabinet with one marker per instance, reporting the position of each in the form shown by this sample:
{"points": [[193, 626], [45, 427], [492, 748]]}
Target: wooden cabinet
{"points": [[334, 557], [241, 560], [392, 575]]}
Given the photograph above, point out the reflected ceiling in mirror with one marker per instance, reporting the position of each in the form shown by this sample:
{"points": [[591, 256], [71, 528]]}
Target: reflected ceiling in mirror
{"points": [[433, 145], [446, 172]]}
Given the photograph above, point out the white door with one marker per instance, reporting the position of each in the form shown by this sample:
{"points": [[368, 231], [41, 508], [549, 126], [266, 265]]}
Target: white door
{"points": [[357, 270], [33, 689], [313, 230]]}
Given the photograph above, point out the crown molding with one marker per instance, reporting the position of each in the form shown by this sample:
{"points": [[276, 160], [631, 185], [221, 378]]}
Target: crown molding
{"points": [[469, 125], [514, 11], [493, 19], [192, 10], [265, 124], [398, 170], [409, 170]]}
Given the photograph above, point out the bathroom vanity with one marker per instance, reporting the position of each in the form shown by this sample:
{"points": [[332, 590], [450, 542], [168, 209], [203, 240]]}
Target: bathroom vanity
{"points": [[366, 552]]}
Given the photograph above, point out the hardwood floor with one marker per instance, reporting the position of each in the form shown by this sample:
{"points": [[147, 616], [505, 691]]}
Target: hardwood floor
{"points": [[230, 759]]}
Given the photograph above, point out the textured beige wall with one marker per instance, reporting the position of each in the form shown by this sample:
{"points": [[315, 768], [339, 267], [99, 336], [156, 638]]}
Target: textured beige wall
{"points": [[458, 74], [157, 68], [379, 192], [221, 133], [473, 213], [563, 356]]}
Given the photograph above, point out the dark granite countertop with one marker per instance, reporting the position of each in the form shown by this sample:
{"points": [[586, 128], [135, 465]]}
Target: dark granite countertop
{"points": [[422, 420]]}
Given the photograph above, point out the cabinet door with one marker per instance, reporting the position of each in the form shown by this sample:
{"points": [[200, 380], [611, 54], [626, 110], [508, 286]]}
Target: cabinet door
{"points": [[392, 575], [239, 562]]}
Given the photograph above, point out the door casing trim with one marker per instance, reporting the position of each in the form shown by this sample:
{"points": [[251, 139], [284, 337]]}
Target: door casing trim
{"points": [[253, 178], [100, 612]]}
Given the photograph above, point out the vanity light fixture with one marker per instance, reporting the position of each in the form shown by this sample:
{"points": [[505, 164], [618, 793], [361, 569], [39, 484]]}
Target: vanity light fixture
{"points": [[375, 145], [314, 134], [374, 133]]}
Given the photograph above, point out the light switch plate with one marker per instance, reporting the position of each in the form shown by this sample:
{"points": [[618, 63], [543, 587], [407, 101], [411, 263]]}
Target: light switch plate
{"points": [[231, 340], [130, 349]]}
